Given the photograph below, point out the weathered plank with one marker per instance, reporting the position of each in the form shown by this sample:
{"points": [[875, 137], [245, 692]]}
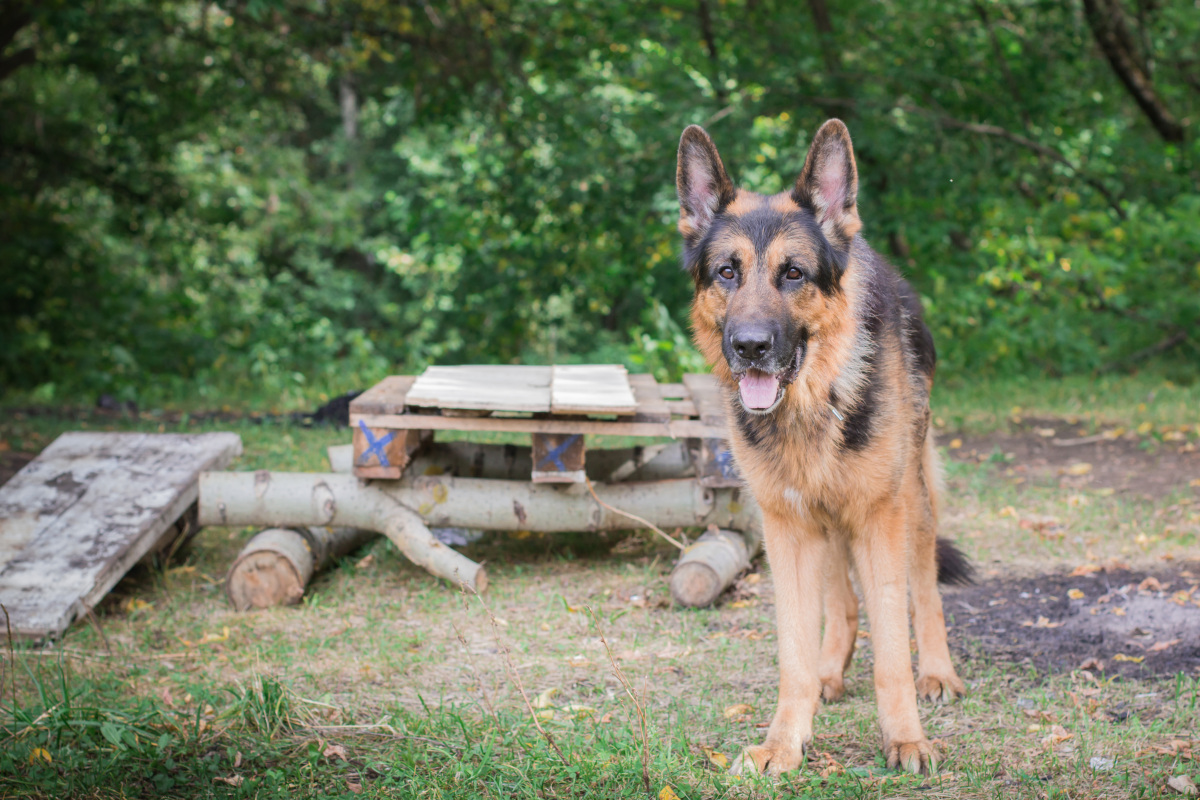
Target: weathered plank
{"points": [[493, 388], [591, 389], [81, 514], [386, 397], [706, 394], [676, 428], [650, 405]]}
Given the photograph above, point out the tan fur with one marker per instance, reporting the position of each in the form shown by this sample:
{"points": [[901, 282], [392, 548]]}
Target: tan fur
{"points": [[825, 507]]}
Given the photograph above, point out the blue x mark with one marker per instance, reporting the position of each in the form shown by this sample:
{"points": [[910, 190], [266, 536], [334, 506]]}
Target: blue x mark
{"points": [[374, 446], [556, 454]]}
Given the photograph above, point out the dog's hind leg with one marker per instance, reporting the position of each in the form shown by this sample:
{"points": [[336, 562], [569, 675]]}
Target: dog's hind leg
{"points": [[841, 621], [936, 678], [796, 551]]}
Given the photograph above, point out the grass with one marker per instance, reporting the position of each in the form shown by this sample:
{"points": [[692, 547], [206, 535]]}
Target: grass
{"points": [[386, 683]]}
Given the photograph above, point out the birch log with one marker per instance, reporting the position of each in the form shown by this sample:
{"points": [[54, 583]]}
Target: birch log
{"points": [[707, 567], [276, 565]]}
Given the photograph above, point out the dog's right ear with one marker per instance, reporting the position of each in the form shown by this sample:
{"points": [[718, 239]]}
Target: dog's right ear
{"points": [[704, 188]]}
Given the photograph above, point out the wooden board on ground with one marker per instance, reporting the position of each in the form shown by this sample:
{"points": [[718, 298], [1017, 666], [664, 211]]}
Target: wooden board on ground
{"points": [[492, 388], [591, 389], [82, 513]]}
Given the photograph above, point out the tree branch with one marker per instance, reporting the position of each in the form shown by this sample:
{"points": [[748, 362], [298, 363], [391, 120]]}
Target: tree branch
{"points": [[1107, 22], [710, 45]]}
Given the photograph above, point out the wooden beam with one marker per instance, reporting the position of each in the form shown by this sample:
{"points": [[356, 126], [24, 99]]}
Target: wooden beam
{"points": [[676, 429], [384, 453], [558, 458], [386, 397]]}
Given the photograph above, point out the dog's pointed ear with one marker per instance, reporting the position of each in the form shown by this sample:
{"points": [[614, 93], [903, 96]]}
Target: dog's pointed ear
{"points": [[828, 184], [704, 188]]}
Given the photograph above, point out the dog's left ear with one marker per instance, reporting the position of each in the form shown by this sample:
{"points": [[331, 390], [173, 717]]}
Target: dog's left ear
{"points": [[828, 184]]}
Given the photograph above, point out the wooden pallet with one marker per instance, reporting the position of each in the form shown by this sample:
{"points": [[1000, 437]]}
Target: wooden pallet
{"points": [[558, 406], [75, 519]]}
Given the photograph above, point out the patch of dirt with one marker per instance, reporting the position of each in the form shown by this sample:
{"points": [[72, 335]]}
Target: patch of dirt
{"points": [[1150, 463], [1132, 623]]}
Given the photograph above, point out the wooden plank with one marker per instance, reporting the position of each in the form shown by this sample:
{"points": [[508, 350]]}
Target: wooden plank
{"points": [[676, 428], [591, 389], [684, 408], [558, 458], [673, 391], [382, 453], [706, 394], [386, 397], [650, 405], [493, 388], [82, 513]]}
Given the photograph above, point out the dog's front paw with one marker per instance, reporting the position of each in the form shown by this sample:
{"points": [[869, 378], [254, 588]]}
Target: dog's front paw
{"points": [[768, 759], [942, 688], [917, 757]]}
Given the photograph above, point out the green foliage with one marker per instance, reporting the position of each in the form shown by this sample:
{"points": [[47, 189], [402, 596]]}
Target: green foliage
{"points": [[274, 195]]}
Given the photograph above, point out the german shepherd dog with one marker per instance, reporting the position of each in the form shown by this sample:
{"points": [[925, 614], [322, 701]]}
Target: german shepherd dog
{"points": [[827, 367]]}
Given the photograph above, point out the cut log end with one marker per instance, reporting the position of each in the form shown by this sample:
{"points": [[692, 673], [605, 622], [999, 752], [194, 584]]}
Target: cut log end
{"points": [[695, 584], [262, 579], [707, 567]]}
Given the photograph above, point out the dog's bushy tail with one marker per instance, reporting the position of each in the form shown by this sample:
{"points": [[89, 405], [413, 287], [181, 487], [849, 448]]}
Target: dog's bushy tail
{"points": [[954, 568]]}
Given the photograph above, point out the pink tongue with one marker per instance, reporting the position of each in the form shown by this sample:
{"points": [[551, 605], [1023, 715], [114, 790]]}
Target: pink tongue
{"points": [[758, 389]]}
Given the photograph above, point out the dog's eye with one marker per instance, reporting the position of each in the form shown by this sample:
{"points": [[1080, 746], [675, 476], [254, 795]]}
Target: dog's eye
{"points": [[794, 274], [726, 272]]}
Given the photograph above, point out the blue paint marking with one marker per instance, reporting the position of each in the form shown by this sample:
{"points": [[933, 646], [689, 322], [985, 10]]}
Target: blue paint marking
{"points": [[725, 464], [556, 454], [374, 446]]}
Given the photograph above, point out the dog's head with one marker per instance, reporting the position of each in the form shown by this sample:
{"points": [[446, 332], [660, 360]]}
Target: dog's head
{"points": [[768, 270]]}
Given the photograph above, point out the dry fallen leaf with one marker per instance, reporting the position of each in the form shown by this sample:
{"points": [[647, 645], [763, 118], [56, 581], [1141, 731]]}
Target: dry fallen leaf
{"points": [[1045, 433], [1042, 622], [715, 758], [354, 787], [1079, 468], [743, 604], [1093, 663], [1131, 659], [955, 444], [40, 754], [365, 562], [336, 751], [1182, 784], [1084, 569], [1151, 584], [737, 710], [1058, 735], [1076, 594], [543, 699], [1160, 646], [232, 780], [667, 793]]}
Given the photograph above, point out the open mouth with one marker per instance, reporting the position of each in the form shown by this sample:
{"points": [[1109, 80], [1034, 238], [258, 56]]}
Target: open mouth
{"points": [[761, 391]]}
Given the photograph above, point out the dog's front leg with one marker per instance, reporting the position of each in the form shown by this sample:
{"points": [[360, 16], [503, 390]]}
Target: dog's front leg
{"points": [[881, 554], [796, 551]]}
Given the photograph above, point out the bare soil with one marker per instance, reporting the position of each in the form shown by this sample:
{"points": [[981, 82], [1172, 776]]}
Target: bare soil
{"points": [[1131, 623], [1044, 451]]}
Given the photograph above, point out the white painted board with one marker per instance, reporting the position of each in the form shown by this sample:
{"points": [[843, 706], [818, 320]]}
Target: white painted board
{"points": [[591, 389], [484, 387], [75, 519]]}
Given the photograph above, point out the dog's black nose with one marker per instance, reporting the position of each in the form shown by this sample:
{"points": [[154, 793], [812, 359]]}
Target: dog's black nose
{"points": [[752, 342]]}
